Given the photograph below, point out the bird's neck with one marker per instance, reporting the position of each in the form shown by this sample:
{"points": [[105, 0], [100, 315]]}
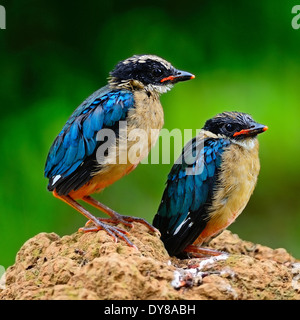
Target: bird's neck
{"points": [[118, 84], [135, 85], [247, 144]]}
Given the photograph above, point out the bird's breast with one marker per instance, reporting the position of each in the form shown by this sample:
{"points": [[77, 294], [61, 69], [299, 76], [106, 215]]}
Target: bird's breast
{"points": [[142, 127], [236, 182], [144, 124]]}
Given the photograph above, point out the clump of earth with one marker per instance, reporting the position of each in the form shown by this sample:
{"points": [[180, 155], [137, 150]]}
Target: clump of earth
{"points": [[93, 266]]}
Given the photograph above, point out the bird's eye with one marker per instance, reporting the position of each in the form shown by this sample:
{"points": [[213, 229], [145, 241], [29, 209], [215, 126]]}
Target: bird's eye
{"points": [[229, 127], [157, 72]]}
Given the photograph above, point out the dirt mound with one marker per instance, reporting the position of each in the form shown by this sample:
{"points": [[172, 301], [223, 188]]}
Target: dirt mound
{"points": [[92, 266]]}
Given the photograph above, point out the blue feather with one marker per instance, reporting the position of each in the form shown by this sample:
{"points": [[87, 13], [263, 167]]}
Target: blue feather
{"points": [[90, 146], [209, 157], [109, 104], [97, 119], [78, 138], [179, 203], [182, 174], [74, 132], [197, 201], [209, 151], [204, 173], [116, 113], [189, 183], [96, 102], [108, 118], [87, 128], [163, 208], [173, 205], [67, 140], [211, 169], [180, 187], [188, 198], [198, 181], [81, 152], [58, 154], [70, 155], [191, 193], [204, 193], [73, 167], [171, 189]]}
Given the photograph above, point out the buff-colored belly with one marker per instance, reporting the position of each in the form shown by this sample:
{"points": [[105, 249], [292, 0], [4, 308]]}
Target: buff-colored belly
{"points": [[238, 177]]}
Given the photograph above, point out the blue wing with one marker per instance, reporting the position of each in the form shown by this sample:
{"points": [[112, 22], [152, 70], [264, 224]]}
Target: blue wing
{"points": [[182, 214], [70, 160]]}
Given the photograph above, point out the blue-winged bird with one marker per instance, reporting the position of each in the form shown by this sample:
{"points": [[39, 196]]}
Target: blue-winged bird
{"points": [[132, 95], [210, 184]]}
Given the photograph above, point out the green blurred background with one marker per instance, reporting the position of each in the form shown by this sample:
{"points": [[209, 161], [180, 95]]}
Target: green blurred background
{"points": [[53, 54]]}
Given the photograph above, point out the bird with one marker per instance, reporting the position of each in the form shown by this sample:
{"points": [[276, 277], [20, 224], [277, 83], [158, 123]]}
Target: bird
{"points": [[209, 184], [76, 169]]}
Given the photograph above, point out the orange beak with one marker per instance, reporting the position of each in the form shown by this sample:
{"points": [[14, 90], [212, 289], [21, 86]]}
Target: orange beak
{"points": [[179, 76], [254, 130]]}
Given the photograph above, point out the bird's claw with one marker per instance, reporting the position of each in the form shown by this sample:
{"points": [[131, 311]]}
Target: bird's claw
{"points": [[126, 221], [194, 251], [114, 232], [129, 219], [109, 220]]}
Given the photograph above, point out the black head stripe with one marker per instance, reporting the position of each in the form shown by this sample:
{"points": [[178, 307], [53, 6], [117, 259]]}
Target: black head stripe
{"points": [[143, 68], [227, 123]]}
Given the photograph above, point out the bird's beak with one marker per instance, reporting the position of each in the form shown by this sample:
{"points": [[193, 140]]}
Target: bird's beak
{"points": [[178, 76], [255, 129]]}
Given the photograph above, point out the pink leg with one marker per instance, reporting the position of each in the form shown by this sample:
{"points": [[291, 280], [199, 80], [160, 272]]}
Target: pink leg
{"points": [[99, 223], [116, 217]]}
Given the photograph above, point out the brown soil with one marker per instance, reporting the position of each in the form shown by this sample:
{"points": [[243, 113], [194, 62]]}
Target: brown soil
{"points": [[92, 266]]}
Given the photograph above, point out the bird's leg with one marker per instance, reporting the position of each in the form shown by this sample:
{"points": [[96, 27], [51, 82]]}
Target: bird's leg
{"points": [[114, 232], [199, 252], [116, 217]]}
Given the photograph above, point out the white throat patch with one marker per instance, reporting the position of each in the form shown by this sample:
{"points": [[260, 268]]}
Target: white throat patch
{"points": [[248, 144], [159, 88]]}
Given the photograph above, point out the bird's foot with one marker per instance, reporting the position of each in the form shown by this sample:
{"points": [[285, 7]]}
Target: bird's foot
{"points": [[99, 223], [126, 221], [114, 232], [110, 220], [198, 252]]}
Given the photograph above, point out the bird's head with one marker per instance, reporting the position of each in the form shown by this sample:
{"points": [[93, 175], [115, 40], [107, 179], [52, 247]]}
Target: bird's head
{"points": [[148, 71], [236, 126]]}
